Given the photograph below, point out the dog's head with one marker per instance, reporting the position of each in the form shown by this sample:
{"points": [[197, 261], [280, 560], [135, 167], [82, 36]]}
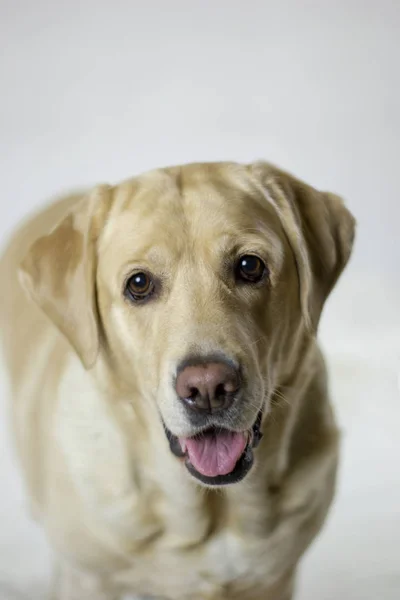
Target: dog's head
{"points": [[196, 285]]}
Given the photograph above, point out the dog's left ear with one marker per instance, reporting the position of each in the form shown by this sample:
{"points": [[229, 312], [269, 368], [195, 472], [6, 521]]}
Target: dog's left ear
{"points": [[59, 273], [320, 230]]}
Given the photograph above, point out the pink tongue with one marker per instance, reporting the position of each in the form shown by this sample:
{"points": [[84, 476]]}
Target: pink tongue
{"points": [[215, 453]]}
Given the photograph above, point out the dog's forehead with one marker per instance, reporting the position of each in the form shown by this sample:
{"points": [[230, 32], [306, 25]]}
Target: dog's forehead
{"points": [[174, 206]]}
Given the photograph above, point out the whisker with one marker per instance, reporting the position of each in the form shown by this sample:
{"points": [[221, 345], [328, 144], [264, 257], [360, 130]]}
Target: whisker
{"points": [[282, 397]]}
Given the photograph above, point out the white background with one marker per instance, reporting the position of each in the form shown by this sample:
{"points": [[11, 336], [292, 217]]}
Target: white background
{"points": [[97, 91]]}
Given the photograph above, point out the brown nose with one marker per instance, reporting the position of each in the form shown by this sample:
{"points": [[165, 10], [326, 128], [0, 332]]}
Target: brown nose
{"points": [[208, 387]]}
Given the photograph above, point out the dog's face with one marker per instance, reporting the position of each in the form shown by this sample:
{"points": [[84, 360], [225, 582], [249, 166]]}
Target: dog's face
{"points": [[197, 282]]}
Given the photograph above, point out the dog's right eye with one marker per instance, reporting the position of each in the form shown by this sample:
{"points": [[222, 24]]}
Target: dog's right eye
{"points": [[139, 286]]}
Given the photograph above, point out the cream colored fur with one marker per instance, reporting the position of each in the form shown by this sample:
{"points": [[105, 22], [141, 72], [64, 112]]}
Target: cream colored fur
{"points": [[92, 379]]}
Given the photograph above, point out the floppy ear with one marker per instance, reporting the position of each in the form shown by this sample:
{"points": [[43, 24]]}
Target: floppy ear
{"points": [[59, 273], [320, 230]]}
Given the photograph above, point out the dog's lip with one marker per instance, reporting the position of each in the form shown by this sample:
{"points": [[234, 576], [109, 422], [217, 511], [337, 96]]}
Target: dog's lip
{"points": [[243, 464]]}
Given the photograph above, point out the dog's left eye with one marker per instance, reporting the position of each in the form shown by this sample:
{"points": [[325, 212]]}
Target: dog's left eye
{"points": [[250, 268]]}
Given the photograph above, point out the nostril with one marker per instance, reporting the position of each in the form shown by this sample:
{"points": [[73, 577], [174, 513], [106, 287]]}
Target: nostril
{"points": [[197, 399], [220, 389], [220, 392], [193, 393]]}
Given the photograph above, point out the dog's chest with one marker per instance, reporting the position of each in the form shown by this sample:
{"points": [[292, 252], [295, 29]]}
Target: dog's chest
{"points": [[221, 567]]}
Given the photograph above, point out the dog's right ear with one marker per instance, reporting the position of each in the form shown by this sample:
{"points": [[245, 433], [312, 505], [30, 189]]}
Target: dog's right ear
{"points": [[59, 273]]}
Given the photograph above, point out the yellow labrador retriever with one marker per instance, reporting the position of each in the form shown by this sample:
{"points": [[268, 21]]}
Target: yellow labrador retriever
{"points": [[170, 400]]}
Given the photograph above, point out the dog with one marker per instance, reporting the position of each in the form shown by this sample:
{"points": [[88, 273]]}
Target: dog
{"points": [[169, 398]]}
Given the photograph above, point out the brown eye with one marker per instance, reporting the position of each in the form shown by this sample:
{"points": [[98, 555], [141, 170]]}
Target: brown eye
{"points": [[140, 286], [250, 268]]}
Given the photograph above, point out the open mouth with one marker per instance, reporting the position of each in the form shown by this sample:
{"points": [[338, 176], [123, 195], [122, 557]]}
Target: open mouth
{"points": [[218, 456]]}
